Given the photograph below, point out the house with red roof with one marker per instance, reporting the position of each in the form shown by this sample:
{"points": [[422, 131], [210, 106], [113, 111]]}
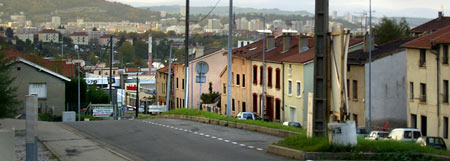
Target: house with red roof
{"points": [[47, 79], [427, 80], [431, 26], [79, 38], [106, 39], [48, 36]]}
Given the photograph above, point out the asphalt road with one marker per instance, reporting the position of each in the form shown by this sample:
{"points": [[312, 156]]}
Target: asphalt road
{"points": [[169, 139]]}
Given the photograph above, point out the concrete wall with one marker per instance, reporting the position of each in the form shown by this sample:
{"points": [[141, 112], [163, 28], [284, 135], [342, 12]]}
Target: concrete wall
{"points": [[308, 88], [240, 93], [56, 88], [388, 90], [216, 62], [292, 102]]}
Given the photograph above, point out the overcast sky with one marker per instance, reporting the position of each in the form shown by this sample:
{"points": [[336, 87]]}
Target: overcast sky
{"points": [[391, 8]]}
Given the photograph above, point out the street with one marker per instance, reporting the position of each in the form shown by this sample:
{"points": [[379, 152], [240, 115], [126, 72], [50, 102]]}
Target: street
{"points": [[169, 139]]}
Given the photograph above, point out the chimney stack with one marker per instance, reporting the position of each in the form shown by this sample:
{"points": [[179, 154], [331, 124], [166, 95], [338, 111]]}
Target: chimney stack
{"points": [[150, 61], [303, 43], [286, 41], [440, 14], [270, 42]]}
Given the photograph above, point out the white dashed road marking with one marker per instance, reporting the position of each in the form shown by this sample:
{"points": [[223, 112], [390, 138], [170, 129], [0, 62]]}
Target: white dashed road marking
{"points": [[259, 149], [213, 137], [219, 139], [251, 147], [227, 141], [233, 142], [242, 144]]}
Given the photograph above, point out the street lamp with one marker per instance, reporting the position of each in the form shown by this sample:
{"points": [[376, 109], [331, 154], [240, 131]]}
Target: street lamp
{"points": [[78, 67], [263, 102]]}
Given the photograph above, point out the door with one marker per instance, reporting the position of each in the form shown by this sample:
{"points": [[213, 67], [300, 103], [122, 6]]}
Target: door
{"points": [[423, 125], [255, 102], [292, 115], [277, 109], [269, 109]]}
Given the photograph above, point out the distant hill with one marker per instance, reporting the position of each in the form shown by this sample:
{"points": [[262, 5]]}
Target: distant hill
{"points": [[413, 21], [69, 10], [173, 9]]}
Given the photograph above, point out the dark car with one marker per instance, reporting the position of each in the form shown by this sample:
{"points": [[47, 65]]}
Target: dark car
{"points": [[293, 124], [435, 142]]}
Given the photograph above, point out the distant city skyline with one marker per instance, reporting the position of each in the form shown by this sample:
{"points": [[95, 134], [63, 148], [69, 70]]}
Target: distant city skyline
{"points": [[399, 8]]}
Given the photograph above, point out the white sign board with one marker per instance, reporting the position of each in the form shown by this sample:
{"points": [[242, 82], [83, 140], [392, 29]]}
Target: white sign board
{"points": [[102, 111], [200, 80]]}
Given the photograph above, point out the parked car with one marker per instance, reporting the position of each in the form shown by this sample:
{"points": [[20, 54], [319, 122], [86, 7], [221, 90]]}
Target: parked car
{"points": [[378, 135], [246, 116], [361, 132], [293, 124], [405, 134], [435, 142]]}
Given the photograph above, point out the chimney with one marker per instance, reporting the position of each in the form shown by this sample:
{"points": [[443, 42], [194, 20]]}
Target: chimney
{"points": [[150, 61], [366, 43], [286, 42], [440, 14], [270, 42], [303, 43]]}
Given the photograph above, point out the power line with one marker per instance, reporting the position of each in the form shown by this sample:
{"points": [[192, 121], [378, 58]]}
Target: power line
{"points": [[209, 13]]}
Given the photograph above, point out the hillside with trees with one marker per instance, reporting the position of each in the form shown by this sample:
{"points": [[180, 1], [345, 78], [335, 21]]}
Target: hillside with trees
{"points": [[69, 10]]}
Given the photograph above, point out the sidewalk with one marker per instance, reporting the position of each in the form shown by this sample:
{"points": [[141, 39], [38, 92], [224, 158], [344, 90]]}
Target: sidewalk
{"points": [[66, 144]]}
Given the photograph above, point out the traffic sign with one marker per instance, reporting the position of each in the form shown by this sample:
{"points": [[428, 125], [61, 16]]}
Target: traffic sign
{"points": [[201, 67], [200, 80]]}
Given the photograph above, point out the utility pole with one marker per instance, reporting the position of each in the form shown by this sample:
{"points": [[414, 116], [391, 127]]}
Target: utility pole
{"points": [[230, 58], [438, 91], [79, 64], [321, 69], [370, 65], [137, 93], [110, 77], [168, 80], [186, 47], [263, 102], [62, 46]]}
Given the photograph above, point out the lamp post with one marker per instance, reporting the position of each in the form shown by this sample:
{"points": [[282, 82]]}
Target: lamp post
{"points": [[370, 65], [230, 58], [78, 66], [263, 70]]}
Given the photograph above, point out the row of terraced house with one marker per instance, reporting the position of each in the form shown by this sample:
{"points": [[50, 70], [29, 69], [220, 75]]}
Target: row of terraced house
{"points": [[409, 80]]}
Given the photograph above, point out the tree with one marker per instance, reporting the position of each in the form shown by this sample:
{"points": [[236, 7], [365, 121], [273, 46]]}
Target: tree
{"points": [[8, 99], [93, 58], [141, 49], [72, 93], [94, 29], [389, 30], [126, 53], [9, 32], [97, 96]]}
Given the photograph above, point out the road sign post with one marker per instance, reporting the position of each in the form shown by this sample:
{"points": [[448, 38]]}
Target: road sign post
{"points": [[31, 108], [201, 68]]}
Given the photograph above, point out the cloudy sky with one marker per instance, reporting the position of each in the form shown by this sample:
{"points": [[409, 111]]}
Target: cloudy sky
{"points": [[391, 8]]}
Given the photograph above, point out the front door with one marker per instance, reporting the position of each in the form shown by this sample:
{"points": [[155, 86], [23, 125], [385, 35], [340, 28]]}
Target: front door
{"points": [[292, 117], [269, 109]]}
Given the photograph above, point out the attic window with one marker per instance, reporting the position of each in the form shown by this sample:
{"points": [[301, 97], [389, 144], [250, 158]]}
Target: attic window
{"points": [[253, 48], [18, 68]]}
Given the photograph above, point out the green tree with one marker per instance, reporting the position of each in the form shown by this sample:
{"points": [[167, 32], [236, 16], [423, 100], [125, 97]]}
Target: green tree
{"points": [[389, 30], [9, 32], [72, 93], [126, 53], [97, 96], [8, 99], [93, 58], [141, 49]]}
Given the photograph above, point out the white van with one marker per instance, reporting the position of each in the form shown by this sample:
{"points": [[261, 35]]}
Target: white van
{"points": [[405, 134]]}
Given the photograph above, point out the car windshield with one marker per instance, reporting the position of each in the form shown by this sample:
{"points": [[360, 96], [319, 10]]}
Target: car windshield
{"points": [[383, 135]]}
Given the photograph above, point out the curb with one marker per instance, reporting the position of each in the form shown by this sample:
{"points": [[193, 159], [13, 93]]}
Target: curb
{"points": [[249, 127], [286, 152]]}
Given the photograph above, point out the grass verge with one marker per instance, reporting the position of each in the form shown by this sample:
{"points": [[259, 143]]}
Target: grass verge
{"points": [[211, 115], [402, 150]]}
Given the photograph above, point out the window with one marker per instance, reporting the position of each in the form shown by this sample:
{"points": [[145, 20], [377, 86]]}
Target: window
{"points": [[261, 75], [290, 69], [177, 82], [278, 79], [423, 92], [445, 99], [99, 72], [408, 135], [38, 88], [269, 77], [355, 89], [232, 105], [244, 107], [255, 74], [423, 59], [243, 80], [232, 77], [348, 88], [411, 90], [289, 87], [355, 118], [445, 128], [413, 122], [445, 55], [224, 88], [178, 103], [182, 84], [299, 91], [238, 79]]}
